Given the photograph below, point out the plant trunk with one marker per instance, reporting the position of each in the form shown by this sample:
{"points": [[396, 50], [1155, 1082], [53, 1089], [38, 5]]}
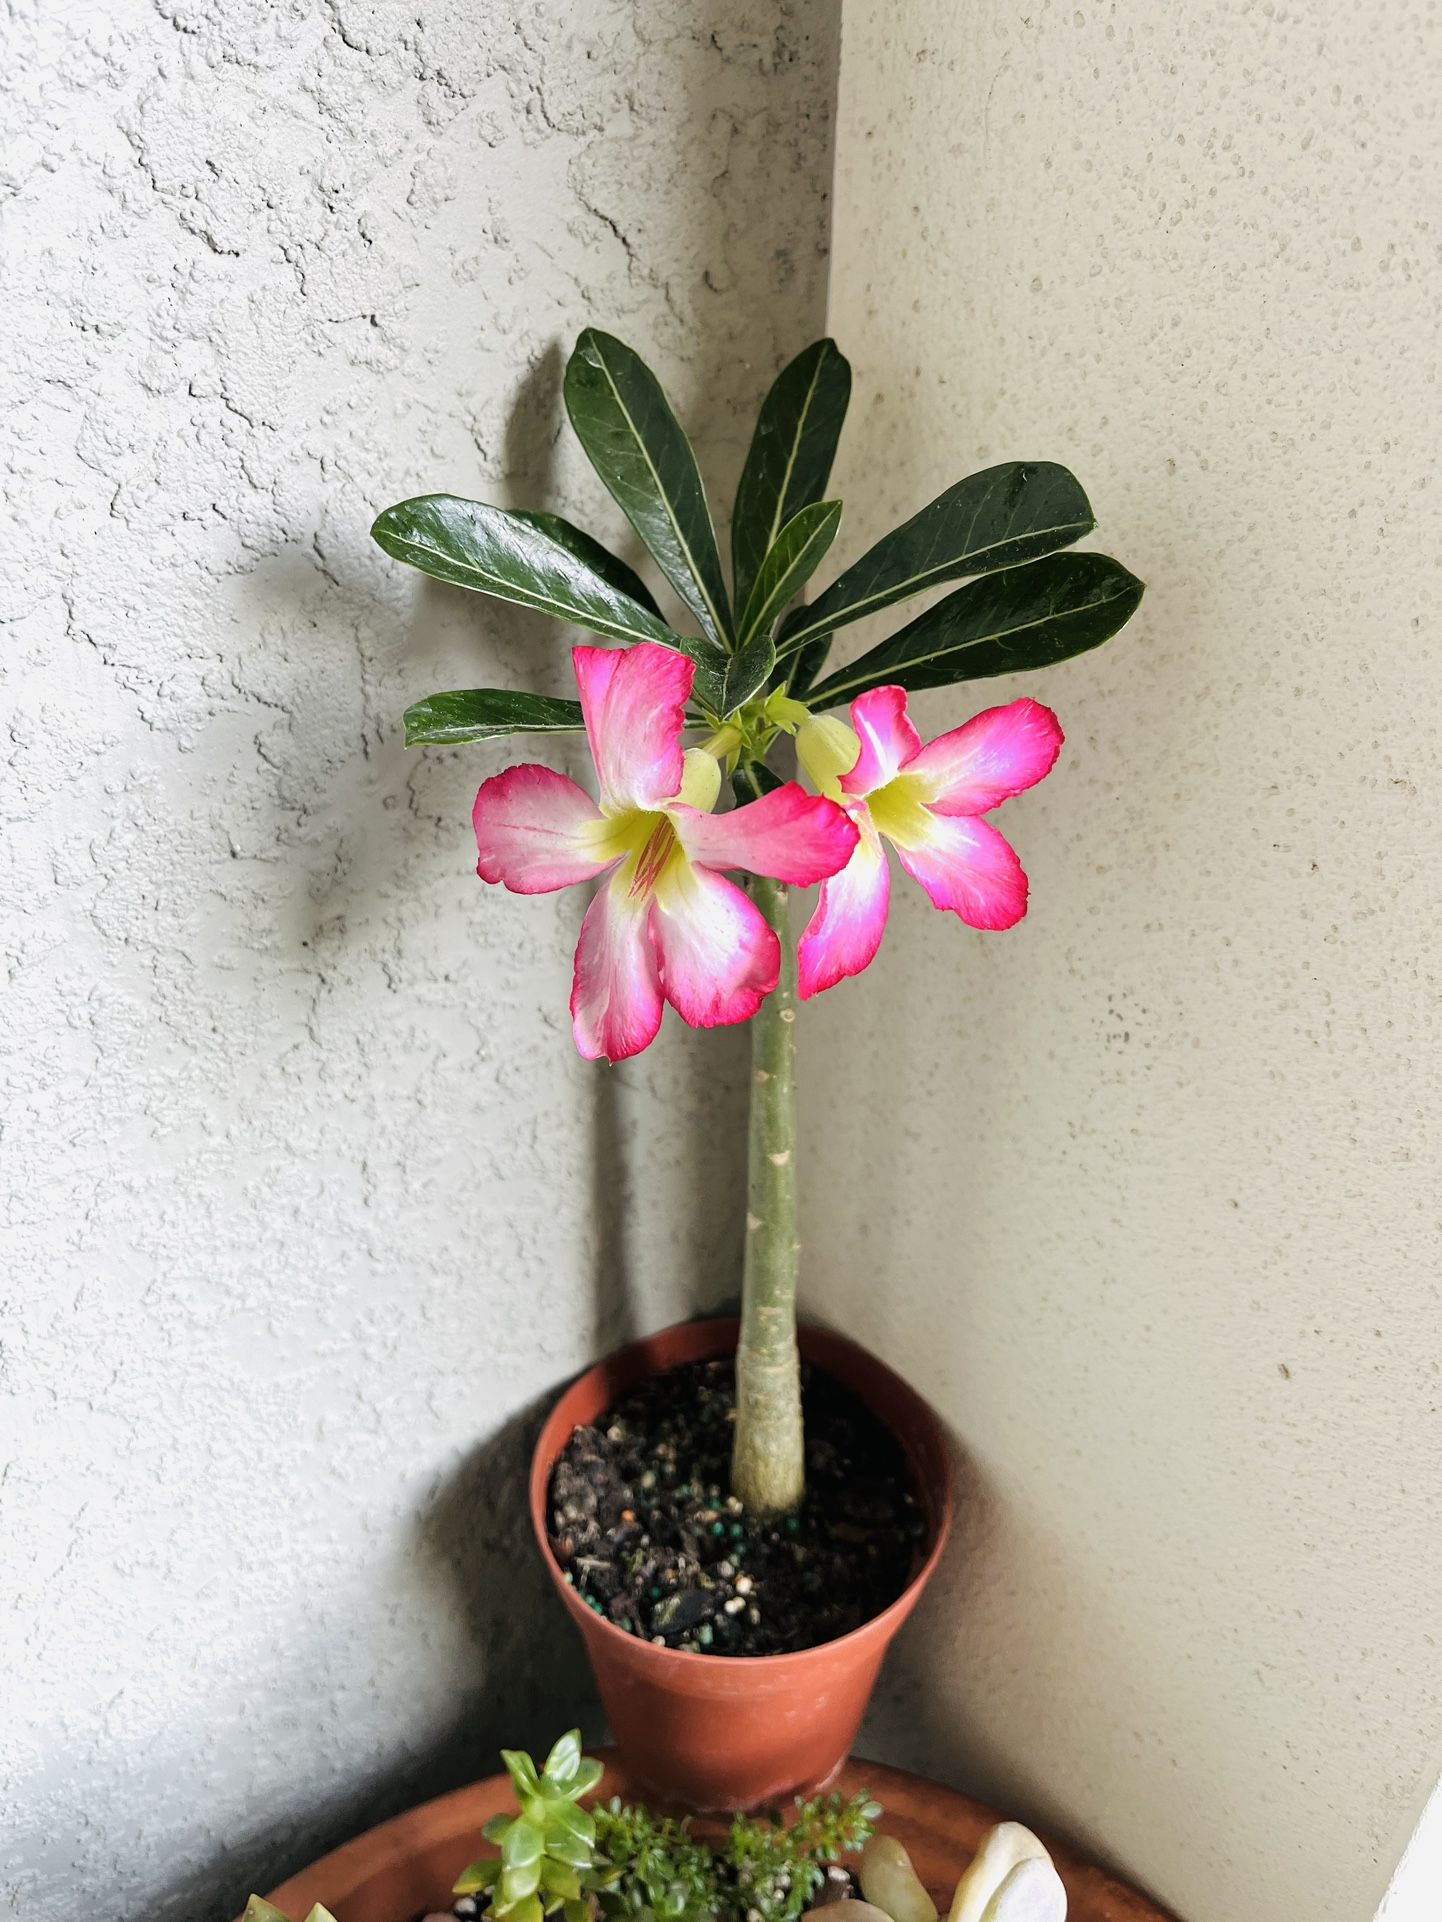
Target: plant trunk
{"points": [[767, 1464]]}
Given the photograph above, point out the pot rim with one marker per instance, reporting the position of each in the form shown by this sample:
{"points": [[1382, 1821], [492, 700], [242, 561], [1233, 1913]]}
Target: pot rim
{"points": [[723, 1330]]}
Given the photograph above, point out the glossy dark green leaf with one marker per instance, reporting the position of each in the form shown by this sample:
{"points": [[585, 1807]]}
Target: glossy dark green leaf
{"points": [[794, 557], [513, 557], [748, 671], [635, 443], [797, 671], [999, 518], [790, 458], [599, 559], [1007, 623], [486, 714]]}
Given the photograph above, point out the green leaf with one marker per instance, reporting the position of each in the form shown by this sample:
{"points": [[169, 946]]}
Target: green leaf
{"points": [[748, 671], [257, 1909], [560, 1878], [566, 1847], [635, 443], [790, 458], [576, 1911], [800, 669], [499, 1826], [480, 1875], [520, 1880], [522, 1771], [513, 558], [588, 1776], [794, 557], [563, 1761], [599, 559], [1026, 617], [486, 714], [526, 1908], [999, 518], [565, 1818], [522, 1843]]}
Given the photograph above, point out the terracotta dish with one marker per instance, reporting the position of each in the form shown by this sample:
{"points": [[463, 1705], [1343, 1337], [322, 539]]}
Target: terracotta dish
{"points": [[406, 1867]]}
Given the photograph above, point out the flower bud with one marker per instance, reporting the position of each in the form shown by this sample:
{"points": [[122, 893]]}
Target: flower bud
{"points": [[827, 748]]}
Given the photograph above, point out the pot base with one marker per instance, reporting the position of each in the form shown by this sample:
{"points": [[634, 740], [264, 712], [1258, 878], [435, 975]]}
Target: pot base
{"points": [[406, 1866]]}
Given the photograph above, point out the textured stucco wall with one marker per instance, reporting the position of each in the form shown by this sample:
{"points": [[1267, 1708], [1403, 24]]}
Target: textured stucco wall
{"points": [[1145, 1193], [306, 1194]]}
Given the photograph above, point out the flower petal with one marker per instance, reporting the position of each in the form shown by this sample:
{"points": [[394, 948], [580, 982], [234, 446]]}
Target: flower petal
{"points": [[970, 869], [719, 959], [888, 740], [843, 935], [995, 755], [789, 834], [634, 703], [536, 831], [616, 1001]]}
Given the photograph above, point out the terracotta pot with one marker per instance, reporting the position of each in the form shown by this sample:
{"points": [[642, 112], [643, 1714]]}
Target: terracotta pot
{"points": [[724, 1732], [406, 1867]]}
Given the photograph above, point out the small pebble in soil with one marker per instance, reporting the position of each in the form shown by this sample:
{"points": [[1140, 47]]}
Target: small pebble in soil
{"points": [[659, 1552]]}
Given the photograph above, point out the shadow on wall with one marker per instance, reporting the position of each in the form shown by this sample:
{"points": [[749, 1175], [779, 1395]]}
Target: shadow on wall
{"points": [[688, 267], [472, 1546]]}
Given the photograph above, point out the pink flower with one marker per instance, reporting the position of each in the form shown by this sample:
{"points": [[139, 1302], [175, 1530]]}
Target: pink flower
{"points": [[928, 802], [667, 925]]}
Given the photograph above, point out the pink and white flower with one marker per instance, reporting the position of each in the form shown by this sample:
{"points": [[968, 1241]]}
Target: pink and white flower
{"points": [[666, 925], [928, 803]]}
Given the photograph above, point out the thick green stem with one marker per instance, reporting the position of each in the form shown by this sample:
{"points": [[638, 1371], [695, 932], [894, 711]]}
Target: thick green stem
{"points": [[767, 1464]]}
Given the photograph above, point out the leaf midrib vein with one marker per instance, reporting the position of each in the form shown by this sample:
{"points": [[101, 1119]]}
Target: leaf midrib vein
{"points": [[665, 499], [914, 584], [978, 640], [529, 597], [773, 603]]}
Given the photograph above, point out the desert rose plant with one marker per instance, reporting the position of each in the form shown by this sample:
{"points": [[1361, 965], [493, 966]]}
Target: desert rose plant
{"points": [[667, 924]]}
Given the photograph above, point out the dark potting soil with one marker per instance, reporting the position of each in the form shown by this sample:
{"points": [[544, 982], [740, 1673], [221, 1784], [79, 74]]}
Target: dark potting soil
{"points": [[645, 1529]]}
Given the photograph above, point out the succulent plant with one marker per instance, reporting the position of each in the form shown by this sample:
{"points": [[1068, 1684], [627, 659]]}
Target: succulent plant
{"points": [[547, 1850], [257, 1909]]}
